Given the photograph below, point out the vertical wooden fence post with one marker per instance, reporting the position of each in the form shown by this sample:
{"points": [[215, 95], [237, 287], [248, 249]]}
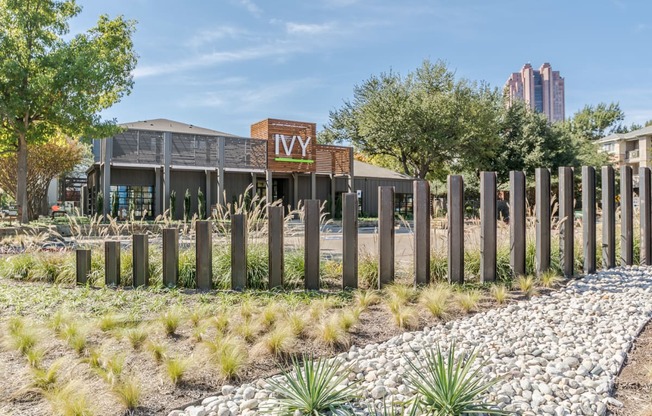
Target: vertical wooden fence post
{"points": [[517, 222], [83, 263], [170, 257], [567, 221], [588, 218], [542, 191], [311, 243], [350, 241], [112, 263], [455, 229], [385, 235], [239, 251], [608, 218], [645, 188], [204, 255], [275, 246], [626, 217], [421, 232], [140, 260], [488, 227]]}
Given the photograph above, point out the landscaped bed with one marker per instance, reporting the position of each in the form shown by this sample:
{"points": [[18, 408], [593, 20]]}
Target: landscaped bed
{"points": [[125, 348]]}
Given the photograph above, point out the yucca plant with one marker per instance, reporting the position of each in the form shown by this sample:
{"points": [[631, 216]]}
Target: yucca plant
{"points": [[312, 387], [449, 386]]}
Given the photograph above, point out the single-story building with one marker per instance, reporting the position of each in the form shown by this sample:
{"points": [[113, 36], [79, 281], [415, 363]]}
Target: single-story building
{"points": [[145, 163]]}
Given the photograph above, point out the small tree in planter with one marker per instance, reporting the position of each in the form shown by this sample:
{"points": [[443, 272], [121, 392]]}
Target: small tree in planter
{"points": [[201, 204], [114, 204], [186, 205], [173, 204]]}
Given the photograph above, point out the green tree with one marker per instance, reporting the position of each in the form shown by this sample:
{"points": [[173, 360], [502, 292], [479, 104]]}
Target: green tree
{"points": [[425, 123], [52, 82], [595, 122]]}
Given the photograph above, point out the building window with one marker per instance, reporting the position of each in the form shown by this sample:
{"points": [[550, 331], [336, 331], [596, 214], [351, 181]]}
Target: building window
{"points": [[140, 199], [609, 147], [261, 188], [403, 205]]}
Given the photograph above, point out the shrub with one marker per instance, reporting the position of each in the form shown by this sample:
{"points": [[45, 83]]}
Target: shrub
{"points": [[313, 387], [448, 386]]}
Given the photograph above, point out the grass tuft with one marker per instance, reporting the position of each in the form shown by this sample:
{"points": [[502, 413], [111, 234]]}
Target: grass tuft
{"points": [[171, 321], [228, 355], [436, 299], [550, 278], [278, 342], [175, 369], [499, 293], [406, 317], [136, 336], [526, 285], [469, 300], [71, 399], [329, 332], [128, 391], [365, 298], [158, 351]]}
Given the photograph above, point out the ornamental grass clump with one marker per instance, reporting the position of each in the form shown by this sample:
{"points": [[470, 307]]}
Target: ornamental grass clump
{"points": [[71, 399], [171, 321], [312, 387], [278, 342], [402, 294], [175, 369], [128, 391], [46, 378], [406, 317], [158, 351], [468, 300], [499, 293], [446, 385], [136, 336], [330, 333], [365, 298], [550, 278], [526, 284], [436, 299], [228, 354]]}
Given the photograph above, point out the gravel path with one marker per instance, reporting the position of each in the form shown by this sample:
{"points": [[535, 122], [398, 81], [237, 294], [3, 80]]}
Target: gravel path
{"points": [[557, 354]]}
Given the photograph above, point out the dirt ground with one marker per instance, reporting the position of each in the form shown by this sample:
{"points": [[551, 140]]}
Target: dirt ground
{"points": [[634, 384]]}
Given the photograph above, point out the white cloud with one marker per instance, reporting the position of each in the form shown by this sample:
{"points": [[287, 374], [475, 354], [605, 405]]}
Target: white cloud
{"points": [[251, 7], [246, 99], [216, 58], [210, 35], [308, 29]]}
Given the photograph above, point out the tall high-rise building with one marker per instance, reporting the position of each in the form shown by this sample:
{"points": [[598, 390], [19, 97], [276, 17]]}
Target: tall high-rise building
{"points": [[542, 90]]}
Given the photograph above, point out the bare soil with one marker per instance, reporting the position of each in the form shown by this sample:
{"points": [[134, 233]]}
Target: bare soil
{"points": [[633, 386]]}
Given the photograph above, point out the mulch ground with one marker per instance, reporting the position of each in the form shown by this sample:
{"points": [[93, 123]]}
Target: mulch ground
{"points": [[633, 388]]}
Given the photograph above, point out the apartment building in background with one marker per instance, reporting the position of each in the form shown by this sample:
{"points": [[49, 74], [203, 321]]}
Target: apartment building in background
{"points": [[629, 149], [542, 90]]}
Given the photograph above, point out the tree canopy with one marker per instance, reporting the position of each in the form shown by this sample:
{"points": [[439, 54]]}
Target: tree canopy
{"points": [[52, 83], [426, 122]]}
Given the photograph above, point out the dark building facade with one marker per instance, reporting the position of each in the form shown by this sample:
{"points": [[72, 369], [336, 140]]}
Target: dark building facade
{"points": [[149, 160]]}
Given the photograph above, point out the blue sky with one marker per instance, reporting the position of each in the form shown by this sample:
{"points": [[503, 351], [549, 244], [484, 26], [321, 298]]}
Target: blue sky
{"points": [[225, 64]]}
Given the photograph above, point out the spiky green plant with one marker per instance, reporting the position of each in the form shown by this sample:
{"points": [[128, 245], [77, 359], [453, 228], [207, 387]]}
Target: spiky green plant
{"points": [[447, 386], [312, 387]]}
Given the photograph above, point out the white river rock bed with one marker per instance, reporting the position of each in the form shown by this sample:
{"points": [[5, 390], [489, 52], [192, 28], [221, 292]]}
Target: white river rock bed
{"points": [[557, 354]]}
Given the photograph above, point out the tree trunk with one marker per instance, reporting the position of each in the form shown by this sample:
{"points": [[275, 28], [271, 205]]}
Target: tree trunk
{"points": [[21, 180]]}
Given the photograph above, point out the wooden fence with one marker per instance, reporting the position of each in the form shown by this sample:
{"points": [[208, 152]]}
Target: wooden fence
{"points": [[422, 201]]}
